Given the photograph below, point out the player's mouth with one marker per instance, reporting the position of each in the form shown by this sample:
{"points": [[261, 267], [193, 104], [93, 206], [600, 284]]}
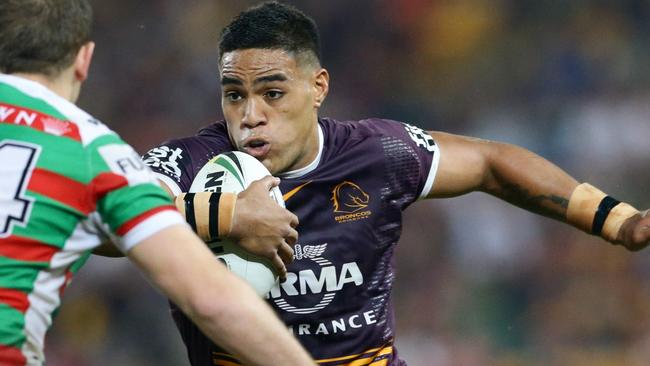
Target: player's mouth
{"points": [[256, 147]]}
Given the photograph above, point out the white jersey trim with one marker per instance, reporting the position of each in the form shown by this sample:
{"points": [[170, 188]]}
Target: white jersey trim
{"points": [[171, 184], [149, 227], [431, 177], [311, 166]]}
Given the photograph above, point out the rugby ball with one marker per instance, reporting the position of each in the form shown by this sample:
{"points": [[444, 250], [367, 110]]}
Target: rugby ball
{"points": [[233, 172]]}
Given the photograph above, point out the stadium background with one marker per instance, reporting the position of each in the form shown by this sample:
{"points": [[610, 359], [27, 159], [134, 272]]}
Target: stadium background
{"points": [[478, 282]]}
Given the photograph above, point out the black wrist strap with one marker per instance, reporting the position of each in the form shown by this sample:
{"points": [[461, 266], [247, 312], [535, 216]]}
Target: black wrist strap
{"points": [[605, 206]]}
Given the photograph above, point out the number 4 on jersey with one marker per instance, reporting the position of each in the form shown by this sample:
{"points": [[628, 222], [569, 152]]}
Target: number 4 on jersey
{"points": [[17, 161]]}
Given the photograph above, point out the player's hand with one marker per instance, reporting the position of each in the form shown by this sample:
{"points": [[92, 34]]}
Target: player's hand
{"points": [[635, 232], [263, 227]]}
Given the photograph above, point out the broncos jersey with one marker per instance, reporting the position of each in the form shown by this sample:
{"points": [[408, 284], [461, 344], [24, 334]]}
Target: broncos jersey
{"points": [[349, 200]]}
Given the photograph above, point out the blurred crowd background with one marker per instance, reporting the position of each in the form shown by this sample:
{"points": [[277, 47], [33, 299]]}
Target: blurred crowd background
{"points": [[478, 282]]}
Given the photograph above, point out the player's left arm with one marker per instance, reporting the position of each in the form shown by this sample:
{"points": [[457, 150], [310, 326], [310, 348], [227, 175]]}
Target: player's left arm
{"points": [[529, 181]]}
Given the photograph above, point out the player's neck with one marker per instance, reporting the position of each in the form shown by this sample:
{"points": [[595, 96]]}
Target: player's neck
{"points": [[312, 155], [63, 84]]}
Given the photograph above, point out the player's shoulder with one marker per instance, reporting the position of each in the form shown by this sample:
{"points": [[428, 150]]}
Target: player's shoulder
{"points": [[179, 157], [371, 133], [45, 110], [354, 131]]}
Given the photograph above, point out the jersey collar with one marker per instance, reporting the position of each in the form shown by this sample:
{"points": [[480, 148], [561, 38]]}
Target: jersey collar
{"points": [[311, 166]]}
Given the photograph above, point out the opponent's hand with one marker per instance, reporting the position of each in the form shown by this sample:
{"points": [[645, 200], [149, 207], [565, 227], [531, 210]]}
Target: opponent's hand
{"points": [[263, 227], [635, 232]]}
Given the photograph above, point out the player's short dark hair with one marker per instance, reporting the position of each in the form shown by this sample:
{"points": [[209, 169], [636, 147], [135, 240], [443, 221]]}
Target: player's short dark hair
{"points": [[272, 25], [42, 36]]}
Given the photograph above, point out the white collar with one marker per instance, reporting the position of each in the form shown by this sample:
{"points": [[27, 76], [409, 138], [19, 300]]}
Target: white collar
{"points": [[311, 166]]}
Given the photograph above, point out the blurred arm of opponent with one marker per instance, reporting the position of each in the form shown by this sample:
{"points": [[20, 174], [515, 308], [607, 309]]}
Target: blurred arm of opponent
{"points": [[226, 309]]}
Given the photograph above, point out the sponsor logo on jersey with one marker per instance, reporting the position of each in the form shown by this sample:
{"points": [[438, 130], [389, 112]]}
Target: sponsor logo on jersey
{"points": [[165, 159], [326, 281], [124, 161], [39, 121], [420, 137], [293, 192], [349, 202], [56, 126], [336, 326]]}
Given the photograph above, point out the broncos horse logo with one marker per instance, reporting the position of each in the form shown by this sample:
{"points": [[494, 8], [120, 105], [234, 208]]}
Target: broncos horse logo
{"points": [[349, 197]]}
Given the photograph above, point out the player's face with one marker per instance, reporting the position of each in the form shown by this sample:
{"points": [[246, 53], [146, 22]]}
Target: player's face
{"points": [[270, 102]]}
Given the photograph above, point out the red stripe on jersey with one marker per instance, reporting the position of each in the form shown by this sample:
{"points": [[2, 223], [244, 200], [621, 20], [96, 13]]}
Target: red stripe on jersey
{"points": [[14, 298], [127, 226], [66, 282], [61, 188], [11, 356], [104, 183], [25, 249], [28, 117]]}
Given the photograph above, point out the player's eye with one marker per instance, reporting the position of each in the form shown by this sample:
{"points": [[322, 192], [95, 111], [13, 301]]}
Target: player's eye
{"points": [[232, 96], [274, 94]]}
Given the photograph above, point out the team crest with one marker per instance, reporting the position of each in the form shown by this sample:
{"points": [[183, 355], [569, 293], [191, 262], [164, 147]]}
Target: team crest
{"points": [[349, 202]]}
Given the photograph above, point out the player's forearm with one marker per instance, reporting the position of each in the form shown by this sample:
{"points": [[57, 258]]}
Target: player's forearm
{"points": [[230, 313], [527, 180], [506, 171], [225, 308], [250, 330], [533, 183]]}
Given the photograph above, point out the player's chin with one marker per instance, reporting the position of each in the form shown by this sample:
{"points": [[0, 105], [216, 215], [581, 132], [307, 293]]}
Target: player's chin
{"points": [[269, 164]]}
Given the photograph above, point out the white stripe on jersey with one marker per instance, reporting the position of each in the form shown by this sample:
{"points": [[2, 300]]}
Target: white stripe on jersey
{"points": [[173, 186], [428, 185], [149, 227], [44, 298]]}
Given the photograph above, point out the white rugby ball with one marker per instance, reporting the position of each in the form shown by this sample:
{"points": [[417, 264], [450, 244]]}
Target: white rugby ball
{"points": [[233, 172]]}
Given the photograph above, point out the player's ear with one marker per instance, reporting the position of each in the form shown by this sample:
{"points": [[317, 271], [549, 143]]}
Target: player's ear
{"points": [[321, 87], [83, 60]]}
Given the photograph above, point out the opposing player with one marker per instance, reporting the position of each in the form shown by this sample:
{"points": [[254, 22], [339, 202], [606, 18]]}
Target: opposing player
{"points": [[67, 183], [349, 181]]}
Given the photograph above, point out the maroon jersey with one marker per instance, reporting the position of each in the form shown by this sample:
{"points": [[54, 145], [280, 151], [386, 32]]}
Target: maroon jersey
{"points": [[337, 297]]}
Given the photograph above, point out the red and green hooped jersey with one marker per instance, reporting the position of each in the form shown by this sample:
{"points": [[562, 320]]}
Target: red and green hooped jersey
{"points": [[67, 183]]}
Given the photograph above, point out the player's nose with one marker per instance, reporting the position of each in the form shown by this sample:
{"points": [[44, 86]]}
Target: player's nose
{"points": [[253, 113]]}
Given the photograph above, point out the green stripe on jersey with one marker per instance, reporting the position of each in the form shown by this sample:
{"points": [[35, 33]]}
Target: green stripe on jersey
{"points": [[12, 323], [19, 275], [50, 221], [61, 155], [11, 95], [97, 163], [126, 203], [76, 266]]}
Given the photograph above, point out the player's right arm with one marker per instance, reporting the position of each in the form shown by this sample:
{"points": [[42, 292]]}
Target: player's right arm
{"points": [[259, 224], [225, 308]]}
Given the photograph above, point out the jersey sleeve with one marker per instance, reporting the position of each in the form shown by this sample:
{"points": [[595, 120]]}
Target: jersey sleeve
{"points": [[177, 161], [172, 164], [126, 194], [411, 155]]}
